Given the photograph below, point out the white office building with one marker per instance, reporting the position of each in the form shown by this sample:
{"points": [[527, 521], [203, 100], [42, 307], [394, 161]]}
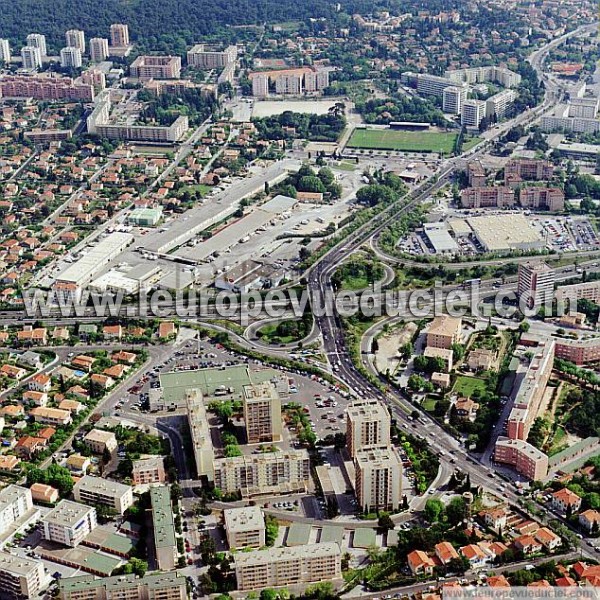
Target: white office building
{"points": [[70, 58]]}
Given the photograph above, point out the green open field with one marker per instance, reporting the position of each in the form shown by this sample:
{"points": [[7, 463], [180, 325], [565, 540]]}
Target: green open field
{"points": [[465, 386], [407, 141]]}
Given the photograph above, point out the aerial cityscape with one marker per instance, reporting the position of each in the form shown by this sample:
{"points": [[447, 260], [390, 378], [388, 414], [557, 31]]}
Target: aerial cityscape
{"points": [[299, 300]]}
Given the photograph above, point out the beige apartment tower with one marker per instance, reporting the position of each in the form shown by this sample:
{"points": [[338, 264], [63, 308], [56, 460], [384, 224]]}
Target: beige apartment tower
{"points": [[378, 479], [535, 284], [368, 425], [262, 413], [119, 35], [245, 527], [98, 49]]}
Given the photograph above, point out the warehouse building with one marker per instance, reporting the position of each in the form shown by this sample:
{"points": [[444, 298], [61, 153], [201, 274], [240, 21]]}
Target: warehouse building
{"points": [[439, 238], [504, 233]]}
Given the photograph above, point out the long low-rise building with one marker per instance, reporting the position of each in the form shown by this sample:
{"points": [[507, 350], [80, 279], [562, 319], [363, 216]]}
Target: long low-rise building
{"points": [[590, 290], [267, 473], [163, 526], [20, 577], [97, 490], [279, 567], [578, 351], [201, 440], [45, 88], [153, 586]]}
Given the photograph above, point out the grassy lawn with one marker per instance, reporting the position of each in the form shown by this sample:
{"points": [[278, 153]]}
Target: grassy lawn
{"points": [[345, 166], [429, 404], [270, 331], [355, 283], [559, 441], [203, 189], [469, 143], [465, 386], [408, 141]]}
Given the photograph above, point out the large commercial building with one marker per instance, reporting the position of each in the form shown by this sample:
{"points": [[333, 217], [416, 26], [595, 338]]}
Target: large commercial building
{"points": [[499, 75], [245, 527], [68, 523], [535, 283], [156, 67], [37, 40], [266, 473], [75, 38], [200, 431], [279, 567], [525, 458], [262, 413], [20, 577], [42, 87], [487, 197], [100, 491], [31, 57], [368, 425], [444, 332], [152, 586], [15, 502], [119, 35], [70, 58], [163, 526], [86, 268], [4, 51], [378, 482], [505, 233], [99, 49], [202, 58]]}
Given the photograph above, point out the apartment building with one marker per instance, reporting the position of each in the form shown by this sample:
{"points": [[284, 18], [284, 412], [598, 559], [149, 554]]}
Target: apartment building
{"points": [[145, 133], [378, 482], [542, 198], [70, 58], [97, 490], [535, 284], [528, 169], [472, 113], [50, 416], [202, 58], [584, 108], [289, 84], [279, 567], [68, 523], [204, 453], [368, 425], [100, 441], [31, 58], [152, 586], [267, 473], [487, 197], [262, 413], [476, 174], [99, 49], [260, 86], [156, 67], [498, 105], [245, 527], [75, 38], [20, 577], [590, 290], [15, 502], [528, 391], [316, 81], [119, 35], [37, 40], [580, 352], [500, 75], [163, 527], [560, 120], [443, 332], [149, 470], [431, 85], [45, 88], [5, 55], [523, 457], [453, 98]]}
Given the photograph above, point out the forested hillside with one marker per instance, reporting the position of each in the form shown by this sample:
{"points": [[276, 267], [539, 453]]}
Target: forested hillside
{"points": [[152, 20]]}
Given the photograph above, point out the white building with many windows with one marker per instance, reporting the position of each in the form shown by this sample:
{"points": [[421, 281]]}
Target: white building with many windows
{"points": [[68, 523]]}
